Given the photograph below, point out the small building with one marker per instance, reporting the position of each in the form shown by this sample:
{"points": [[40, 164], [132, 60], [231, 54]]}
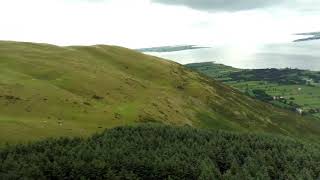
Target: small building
{"points": [[300, 111], [278, 98]]}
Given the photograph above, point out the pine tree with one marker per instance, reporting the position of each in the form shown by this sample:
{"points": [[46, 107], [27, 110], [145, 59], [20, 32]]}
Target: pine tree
{"points": [[208, 171]]}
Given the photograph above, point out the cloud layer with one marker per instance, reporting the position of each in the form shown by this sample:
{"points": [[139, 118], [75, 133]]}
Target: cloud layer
{"points": [[222, 5], [143, 23]]}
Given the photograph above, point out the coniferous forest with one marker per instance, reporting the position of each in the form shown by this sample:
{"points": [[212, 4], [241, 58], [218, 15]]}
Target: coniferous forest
{"points": [[152, 151]]}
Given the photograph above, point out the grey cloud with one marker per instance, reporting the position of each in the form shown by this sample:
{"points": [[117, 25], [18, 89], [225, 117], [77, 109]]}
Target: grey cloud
{"points": [[222, 5]]}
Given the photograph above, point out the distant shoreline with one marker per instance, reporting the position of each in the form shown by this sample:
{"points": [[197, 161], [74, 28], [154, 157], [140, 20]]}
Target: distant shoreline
{"points": [[171, 48], [312, 36]]}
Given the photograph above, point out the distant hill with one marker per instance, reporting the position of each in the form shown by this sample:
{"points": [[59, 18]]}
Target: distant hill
{"points": [[50, 91], [314, 36], [170, 48], [162, 152]]}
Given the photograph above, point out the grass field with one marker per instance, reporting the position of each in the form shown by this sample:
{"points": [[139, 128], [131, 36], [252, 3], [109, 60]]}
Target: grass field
{"points": [[50, 91], [305, 96], [289, 88]]}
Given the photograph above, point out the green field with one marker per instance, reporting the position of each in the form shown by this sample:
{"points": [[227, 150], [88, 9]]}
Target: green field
{"points": [[52, 91], [291, 89]]}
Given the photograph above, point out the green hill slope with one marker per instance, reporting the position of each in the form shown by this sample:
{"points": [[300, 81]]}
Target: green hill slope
{"points": [[47, 91], [162, 152]]}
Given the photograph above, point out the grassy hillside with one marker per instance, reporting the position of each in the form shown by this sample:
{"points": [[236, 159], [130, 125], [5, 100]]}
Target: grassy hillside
{"points": [[162, 152], [48, 91], [286, 88]]}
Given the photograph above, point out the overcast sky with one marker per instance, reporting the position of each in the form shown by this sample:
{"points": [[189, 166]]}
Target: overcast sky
{"points": [[144, 23]]}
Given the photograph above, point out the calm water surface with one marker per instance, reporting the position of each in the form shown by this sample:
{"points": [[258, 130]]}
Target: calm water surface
{"points": [[303, 55]]}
